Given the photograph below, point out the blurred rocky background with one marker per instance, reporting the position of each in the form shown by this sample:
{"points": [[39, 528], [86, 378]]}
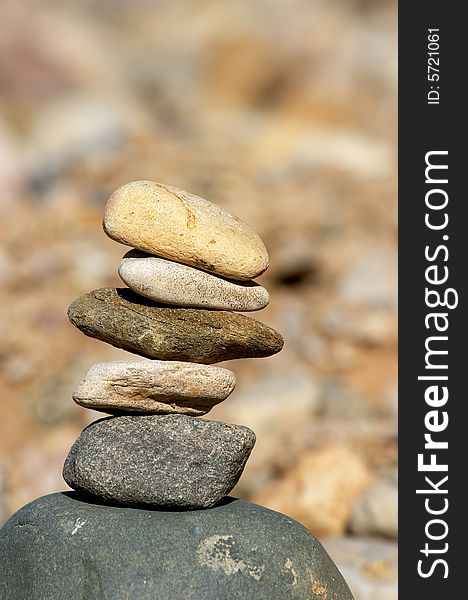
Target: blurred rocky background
{"points": [[283, 113]]}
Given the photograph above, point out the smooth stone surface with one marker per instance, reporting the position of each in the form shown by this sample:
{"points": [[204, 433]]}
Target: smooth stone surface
{"points": [[153, 387], [173, 283], [126, 320], [60, 546], [173, 461], [180, 226]]}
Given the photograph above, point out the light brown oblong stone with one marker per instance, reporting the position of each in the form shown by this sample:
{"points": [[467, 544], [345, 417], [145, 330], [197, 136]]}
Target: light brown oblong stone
{"points": [[180, 226], [173, 283], [153, 387]]}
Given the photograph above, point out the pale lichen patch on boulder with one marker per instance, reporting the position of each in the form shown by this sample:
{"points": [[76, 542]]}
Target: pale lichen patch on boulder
{"points": [[220, 553], [289, 568]]}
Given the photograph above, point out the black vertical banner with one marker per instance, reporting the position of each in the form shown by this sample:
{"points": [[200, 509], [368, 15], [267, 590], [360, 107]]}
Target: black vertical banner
{"points": [[433, 251]]}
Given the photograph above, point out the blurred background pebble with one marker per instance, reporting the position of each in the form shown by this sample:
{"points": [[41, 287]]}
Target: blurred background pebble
{"points": [[281, 112]]}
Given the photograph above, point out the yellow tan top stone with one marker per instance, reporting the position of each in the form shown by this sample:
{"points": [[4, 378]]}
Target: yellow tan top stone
{"points": [[180, 226]]}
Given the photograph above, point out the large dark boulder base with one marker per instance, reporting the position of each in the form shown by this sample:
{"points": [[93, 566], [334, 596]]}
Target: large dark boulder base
{"points": [[63, 546]]}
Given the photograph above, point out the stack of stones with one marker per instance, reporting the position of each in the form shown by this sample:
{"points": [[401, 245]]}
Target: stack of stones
{"points": [[150, 517], [155, 451]]}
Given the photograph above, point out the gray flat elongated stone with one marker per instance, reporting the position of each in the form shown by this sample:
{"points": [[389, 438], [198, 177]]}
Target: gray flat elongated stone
{"points": [[126, 320], [173, 283], [174, 224], [61, 546], [153, 387], [173, 461]]}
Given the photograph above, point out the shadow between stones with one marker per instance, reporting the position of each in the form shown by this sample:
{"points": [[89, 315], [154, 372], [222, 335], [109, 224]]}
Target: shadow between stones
{"points": [[98, 501]]}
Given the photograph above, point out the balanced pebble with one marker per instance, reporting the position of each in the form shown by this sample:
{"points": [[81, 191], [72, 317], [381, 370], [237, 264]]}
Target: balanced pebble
{"points": [[180, 226], [154, 387], [173, 461], [128, 321], [173, 283]]}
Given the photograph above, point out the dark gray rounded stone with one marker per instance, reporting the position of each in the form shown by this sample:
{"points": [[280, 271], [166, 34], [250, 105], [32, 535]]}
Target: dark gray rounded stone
{"points": [[61, 546], [172, 461]]}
